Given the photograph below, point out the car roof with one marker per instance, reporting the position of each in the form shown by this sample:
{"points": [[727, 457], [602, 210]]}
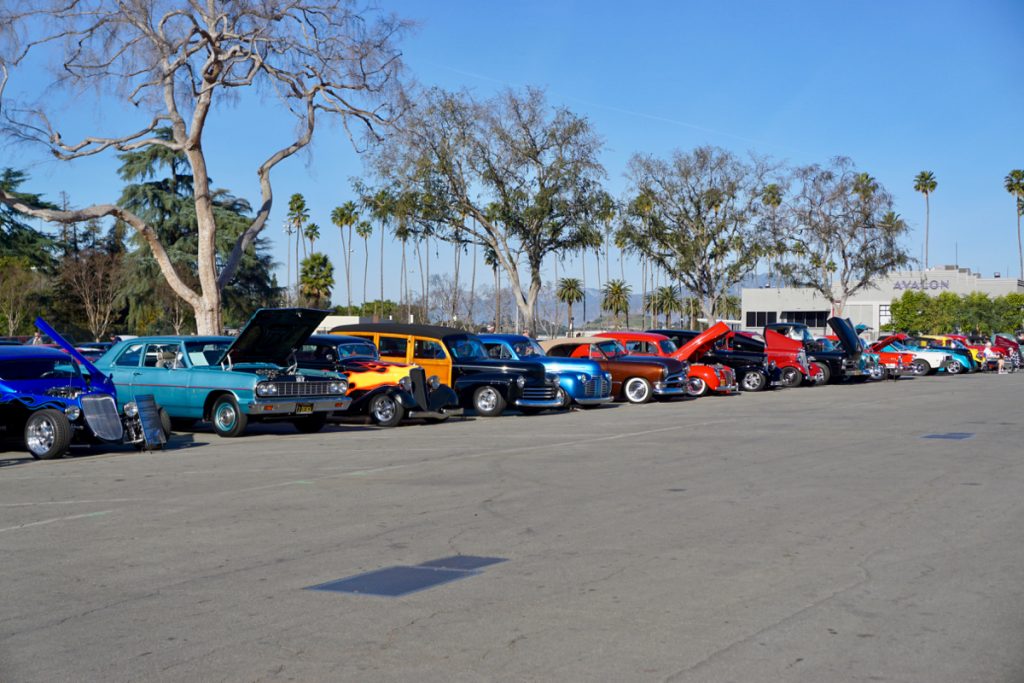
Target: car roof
{"points": [[175, 338], [630, 334], [431, 331], [31, 351], [508, 338], [337, 339]]}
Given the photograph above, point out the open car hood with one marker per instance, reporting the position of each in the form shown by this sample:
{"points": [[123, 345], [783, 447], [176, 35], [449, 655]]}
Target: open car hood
{"points": [[94, 373], [885, 341], [272, 335], [702, 343], [780, 342], [847, 336]]}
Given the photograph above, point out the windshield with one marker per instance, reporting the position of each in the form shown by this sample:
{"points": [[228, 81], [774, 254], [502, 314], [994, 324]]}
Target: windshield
{"points": [[667, 347], [361, 349], [610, 348], [39, 368], [467, 348], [528, 348], [201, 354]]}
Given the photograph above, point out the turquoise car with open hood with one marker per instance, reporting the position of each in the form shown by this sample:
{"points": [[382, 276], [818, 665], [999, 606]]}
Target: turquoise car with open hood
{"points": [[232, 381]]}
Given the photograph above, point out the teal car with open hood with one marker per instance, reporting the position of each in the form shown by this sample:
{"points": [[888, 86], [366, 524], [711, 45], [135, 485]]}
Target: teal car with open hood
{"points": [[232, 381]]}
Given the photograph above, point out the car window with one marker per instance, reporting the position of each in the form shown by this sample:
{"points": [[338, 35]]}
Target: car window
{"points": [[130, 356], [361, 349], [38, 368], [667, 347], [164, 356], [498, 352], [393, 346], [201, 354], [467, 348], [427, 349]]}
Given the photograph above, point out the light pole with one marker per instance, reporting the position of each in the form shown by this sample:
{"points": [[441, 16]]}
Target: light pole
{"points": [[288, 230]]}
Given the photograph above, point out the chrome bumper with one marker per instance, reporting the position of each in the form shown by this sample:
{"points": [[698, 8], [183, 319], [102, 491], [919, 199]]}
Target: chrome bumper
{"points": [[727, 388], [539, 402], [672, 390], [275, 408], [593, 401]]}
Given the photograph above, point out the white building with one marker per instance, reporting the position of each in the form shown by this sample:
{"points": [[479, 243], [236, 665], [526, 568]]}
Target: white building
{"points": [[869, 306]]}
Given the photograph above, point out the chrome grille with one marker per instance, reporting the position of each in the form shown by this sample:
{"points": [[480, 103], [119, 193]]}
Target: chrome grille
{"points": [[596, 387], [675, 380], [101, 415], [544, 392], [293, 389]]}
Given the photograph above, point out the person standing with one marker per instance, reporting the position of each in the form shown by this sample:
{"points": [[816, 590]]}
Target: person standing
{"points": [[37, 339]]}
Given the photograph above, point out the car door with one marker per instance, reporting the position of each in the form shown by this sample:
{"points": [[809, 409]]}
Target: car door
{"points": [[125, 369], [431, 355], [163, 374]]}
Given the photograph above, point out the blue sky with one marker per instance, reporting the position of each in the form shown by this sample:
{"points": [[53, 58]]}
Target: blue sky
{"points": [[899, 87]]}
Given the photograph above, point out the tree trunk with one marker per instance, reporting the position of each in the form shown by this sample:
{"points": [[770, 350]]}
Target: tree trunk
{"points": [[380, 303], [208, 313], [1020, 248], [455, 299], [426, 290], [497, 298], [569, 321], [366, 266], [472, 289], [583, 263], [927, 225]]}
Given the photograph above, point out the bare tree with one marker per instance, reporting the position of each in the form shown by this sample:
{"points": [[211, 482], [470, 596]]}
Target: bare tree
{"points": [[95, 277], [175, 62], [19, 285], [518, 177]]}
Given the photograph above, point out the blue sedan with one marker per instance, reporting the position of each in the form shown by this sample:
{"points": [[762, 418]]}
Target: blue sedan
{"points": [[580, 381], [231, 381]]}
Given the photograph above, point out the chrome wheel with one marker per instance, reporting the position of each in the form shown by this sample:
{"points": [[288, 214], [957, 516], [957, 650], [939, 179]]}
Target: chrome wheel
{"points": [[954, 368], [695, 386], [40, 436], [638, 390], [753, 381], [487, 399], [791, 377], [384, 409], [226, 417]]}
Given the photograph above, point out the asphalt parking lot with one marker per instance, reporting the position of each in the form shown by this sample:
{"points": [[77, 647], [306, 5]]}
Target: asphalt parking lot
{"points": [[808, 536]]}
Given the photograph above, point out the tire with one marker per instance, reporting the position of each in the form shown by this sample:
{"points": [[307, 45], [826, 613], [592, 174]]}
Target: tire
{"points": [[697, 387], [227, 419], [637, 390], [47, 434], [488, 402], [753, 381], [791, 377], [826, 374], [311, 424], [165, 423], [954, 368], [564, 397], [878, 372], [385, 411], [920, 367]]}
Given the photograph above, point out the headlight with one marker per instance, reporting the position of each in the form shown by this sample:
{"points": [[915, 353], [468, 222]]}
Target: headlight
{"points": [[73, 413], [664, 373], [520, 381], [266, 389], [405, 383], [582, 378], [434, 382], [130, 409], [339, 387], [608, 376]]}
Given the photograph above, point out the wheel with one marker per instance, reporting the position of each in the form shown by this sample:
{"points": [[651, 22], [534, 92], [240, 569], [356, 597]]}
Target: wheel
{"points": [[564, 398], [954, 368], [47, 434], [165, 423], [488, 402], [386, 411], [311, 424], [228, 421], [791, 377], [822, 371], [637, 390], [878, 372], [920, 367], [697, 387], [753, 381]]}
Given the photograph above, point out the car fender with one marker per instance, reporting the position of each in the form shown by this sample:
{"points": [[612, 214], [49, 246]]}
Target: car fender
{"points": [[705, 373]]}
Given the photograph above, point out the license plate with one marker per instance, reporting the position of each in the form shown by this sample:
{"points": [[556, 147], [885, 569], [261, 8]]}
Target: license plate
{"points": [[303, 408]]}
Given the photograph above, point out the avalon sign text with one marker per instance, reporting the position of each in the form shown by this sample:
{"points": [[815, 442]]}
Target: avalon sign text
{"points": [[921, 284]]}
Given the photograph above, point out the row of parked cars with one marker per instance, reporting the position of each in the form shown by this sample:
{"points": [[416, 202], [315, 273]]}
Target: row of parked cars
{"points": [[277, 369]]}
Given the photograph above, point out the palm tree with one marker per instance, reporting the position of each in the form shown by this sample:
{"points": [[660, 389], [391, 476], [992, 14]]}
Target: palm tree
{"points": [[1014, 184], [771, 197], [317, 279], [925, 183], [663, 301], [364, 230], [382, 207], [616, 299], [569, 291], [312, 234], [344, 217], [298, 214], [491, 259]]}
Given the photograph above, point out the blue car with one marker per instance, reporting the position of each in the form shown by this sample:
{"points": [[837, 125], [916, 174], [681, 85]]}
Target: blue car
{"points": [[580, 381], [231, 381], [51, 398]]}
